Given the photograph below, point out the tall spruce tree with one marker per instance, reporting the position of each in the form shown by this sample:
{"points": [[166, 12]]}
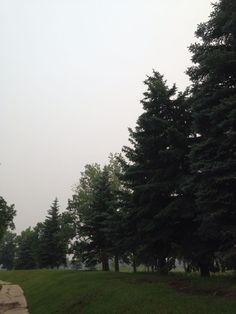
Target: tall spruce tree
{"points": [[52, 251], [213, 156], [155, 171]]}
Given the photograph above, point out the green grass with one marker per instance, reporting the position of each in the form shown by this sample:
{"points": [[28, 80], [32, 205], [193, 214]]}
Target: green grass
{"points": [[71, 292]]}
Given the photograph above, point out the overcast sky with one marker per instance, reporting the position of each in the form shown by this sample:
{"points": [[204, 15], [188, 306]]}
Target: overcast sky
{"points": [[71, 74]]}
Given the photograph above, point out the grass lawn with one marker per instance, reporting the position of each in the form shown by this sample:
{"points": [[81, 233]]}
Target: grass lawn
{"points": [[71, 292]]}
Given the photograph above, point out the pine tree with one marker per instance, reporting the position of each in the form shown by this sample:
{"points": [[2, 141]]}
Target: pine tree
{"points": [[52, 250], [213, 156], [102, 216], [156, 169]]}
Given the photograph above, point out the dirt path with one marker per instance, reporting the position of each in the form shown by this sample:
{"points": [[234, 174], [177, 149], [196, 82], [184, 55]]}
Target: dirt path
{"points": [[12, 299]]}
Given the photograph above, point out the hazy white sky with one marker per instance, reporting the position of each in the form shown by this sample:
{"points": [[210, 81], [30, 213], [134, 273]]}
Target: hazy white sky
{"points": [[71, 74]]}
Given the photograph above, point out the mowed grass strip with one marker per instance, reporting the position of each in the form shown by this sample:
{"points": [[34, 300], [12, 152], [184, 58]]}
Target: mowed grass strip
{"points": [[71, 292]]}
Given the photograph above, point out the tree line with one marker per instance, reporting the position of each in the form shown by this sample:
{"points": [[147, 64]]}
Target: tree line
{"points": [[171, 194], [44, 246]]}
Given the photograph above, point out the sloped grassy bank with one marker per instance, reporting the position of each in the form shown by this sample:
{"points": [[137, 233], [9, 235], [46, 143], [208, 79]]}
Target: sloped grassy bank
{"points": [[70, 292]]}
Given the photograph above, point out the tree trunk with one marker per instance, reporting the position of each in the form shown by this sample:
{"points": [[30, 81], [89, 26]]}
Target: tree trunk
{"points": [[187, 267], [105, 263], [162, 266], [204, 269], [117, 268]]}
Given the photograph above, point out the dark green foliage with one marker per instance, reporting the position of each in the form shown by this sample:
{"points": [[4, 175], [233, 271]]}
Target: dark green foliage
{"points": [[26, 257], [81, 206], [45, 245], [177, 197], [7, 214], [92, 204], [213, 156], [96, 206], [8, 250], [67, 229], [53, 246], [7, 244], [117, 218], [157, 168], [173, 194]]}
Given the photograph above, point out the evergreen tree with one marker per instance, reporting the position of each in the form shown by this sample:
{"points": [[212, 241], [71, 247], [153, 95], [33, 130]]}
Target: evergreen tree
{"points": [[52, 250], [102, 217], [156, 168], [116, 219], [213, 156]]}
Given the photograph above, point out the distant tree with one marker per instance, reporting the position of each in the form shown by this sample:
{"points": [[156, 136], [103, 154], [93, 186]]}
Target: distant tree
{"points": [[52, 249], [102, 216], [8, 250], [116, 219], [92, 203], [213, 156], [25, 254], [156, 167], [99, 219], [36, 245], [67, 230], [81, 206], [7, 214]]}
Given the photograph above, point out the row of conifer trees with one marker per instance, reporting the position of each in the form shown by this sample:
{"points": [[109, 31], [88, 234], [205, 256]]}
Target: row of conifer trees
{"points": [[171, 194], [175, 195]]}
